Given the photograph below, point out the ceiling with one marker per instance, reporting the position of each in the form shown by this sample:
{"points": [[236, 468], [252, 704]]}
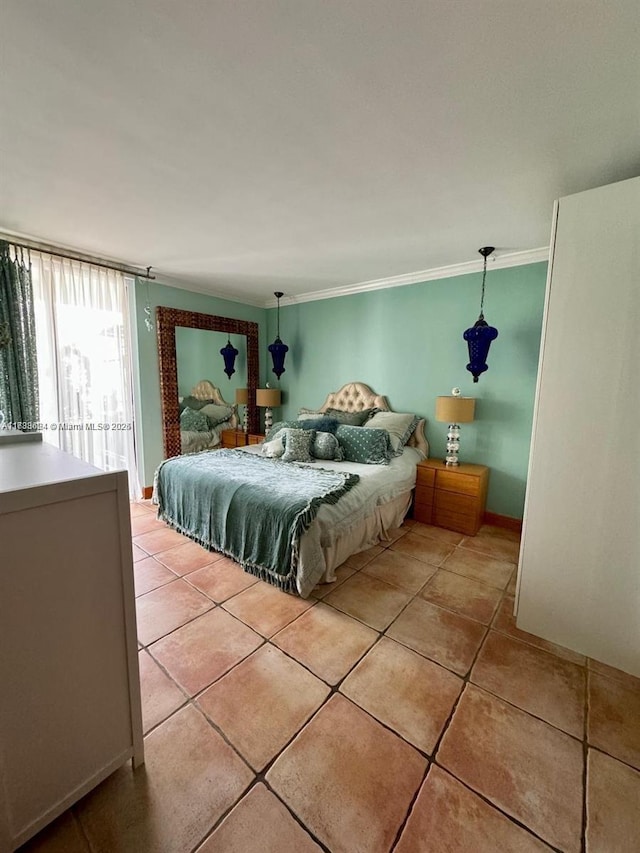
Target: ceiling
{"points": [[245, 146]]}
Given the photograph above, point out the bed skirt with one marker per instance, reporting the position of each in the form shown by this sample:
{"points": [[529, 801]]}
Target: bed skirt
{"points": [[360, 537]]}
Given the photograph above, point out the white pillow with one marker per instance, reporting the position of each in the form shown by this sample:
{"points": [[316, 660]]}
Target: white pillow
{"points": [[398, 425], [274, 449]]}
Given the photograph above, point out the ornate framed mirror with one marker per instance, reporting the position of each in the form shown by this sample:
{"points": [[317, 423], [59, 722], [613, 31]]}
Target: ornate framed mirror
{"points": [[167, 320]]}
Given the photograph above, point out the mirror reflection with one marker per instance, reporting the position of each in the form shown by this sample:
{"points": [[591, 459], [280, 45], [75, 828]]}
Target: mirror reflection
{"points": [[206, 395], [198, 398]]}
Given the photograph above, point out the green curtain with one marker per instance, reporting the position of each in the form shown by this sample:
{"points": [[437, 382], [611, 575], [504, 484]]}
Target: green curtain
{"points": [[18, 360]]}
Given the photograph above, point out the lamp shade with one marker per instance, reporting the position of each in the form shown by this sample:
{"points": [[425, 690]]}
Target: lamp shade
{"points": [[268, 397], [242, 396], [455, 410]]}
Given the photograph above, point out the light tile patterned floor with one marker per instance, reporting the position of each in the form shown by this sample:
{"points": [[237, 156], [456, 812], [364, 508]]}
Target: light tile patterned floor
{"points": [[398, 709]]}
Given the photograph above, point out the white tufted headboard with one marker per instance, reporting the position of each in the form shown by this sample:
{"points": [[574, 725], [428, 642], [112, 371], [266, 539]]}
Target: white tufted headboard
{"points": [[356, 396]]}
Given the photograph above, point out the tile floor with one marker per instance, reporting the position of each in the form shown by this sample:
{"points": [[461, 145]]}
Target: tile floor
{"points": [[398, 709]]}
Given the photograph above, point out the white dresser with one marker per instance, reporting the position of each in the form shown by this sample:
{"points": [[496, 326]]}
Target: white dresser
{"points": [[579, 574], [70, 692]]}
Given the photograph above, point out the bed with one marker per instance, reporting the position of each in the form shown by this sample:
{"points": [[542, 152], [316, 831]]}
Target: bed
{"points": [[292, 525], [206, 436]]}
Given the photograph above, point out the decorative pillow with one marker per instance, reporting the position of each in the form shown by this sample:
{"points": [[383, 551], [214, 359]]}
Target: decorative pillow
{"points": [[327, 446], [194, 403], [191, 421], [317, 422], [280, 425], [274, 448], [297, 445], [368, 446], [216, 413], [399, 426], [325, 425], [351, 418]]}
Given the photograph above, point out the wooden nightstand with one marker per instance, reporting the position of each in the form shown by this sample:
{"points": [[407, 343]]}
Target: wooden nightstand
{"points": [[234, 438], [452, 497], [238, 438]]}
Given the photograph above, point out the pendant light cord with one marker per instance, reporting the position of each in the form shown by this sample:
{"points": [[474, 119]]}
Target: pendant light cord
{"points": [[484, 275], [485, 252], [278, 295]]}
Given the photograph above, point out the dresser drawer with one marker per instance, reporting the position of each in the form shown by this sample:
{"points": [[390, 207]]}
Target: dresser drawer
{"points": [[463, 484], [255, 439]]}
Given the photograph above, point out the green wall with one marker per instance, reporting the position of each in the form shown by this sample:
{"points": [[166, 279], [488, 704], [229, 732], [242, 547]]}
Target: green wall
{"points": [[406, 342], [146, 379]]}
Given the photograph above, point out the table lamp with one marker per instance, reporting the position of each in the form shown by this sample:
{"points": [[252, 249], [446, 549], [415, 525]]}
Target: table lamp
{"points": [[268, 398], [242, 399], [454, 410]]}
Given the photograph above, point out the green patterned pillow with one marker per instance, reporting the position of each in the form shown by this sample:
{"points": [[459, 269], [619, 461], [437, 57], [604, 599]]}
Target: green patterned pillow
{"points": [[278, 426], [191, 421], [327, 446], [367, 446], [297, 445]]}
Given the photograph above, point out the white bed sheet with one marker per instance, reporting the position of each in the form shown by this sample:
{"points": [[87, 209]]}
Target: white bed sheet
{"points": [[362, 516]]}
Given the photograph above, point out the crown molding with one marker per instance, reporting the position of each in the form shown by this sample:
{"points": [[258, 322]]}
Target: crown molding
{"points": [[502, 261], [508, 259], [168, 281]]}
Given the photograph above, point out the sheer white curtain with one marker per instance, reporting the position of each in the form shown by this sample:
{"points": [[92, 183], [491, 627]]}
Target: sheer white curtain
{"points": [[84, 362]]}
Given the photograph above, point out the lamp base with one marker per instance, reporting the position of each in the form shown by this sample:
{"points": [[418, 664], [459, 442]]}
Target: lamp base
{"points": [[245, 419], [268, 420], [453, 446]]}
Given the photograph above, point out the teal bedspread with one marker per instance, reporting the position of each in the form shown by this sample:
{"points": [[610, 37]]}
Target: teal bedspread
{"points": [[250, 508]]}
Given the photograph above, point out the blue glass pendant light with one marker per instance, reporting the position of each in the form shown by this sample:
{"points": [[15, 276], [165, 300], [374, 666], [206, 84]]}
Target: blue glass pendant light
{"points": [[480, 335], [277, 349], [229, 354]]}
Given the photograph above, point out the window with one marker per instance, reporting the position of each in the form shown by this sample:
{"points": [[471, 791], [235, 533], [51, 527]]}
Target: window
{"points": [[84, 363]]}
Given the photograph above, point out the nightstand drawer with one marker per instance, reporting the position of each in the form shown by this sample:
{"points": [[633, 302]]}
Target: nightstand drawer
{"points": [[452, 502], [422, 513], [233, 438], [451, 481], [468, 525], [255, 439], [424, 495], [425, 476]]}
